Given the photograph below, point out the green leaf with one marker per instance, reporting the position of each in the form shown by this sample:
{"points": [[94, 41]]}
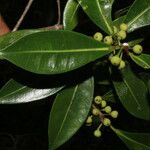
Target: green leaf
{"points": [[134, 42], [70, 15], [109, 96], [132, 93], [53, 52], [118, 21], [149, 86], [142, 60], [11, 38], [134, 141], [13, 92], [138, 15], [69, 111], [99, 11]]}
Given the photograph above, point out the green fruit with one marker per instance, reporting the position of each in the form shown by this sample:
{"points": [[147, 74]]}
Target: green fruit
{"points": [[89, 120], [103, 103], [98, 99], [121, 35], [107, 109], [122, 64], [97, 133], [95, 111], [106, 122], [115, 60], [114, 114], [124, 27], [137, 49], [98, 36], [108, 40]]}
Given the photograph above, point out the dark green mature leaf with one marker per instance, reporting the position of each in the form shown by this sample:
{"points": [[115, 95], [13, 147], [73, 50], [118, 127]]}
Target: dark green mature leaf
{"points": [[69, 111], [109, 97], [54, 52], [134, 42], [70, 16], [132, 93], [138, 15], [13, 92], [9, 39], [99, 11], [134, 141], [142, 60]]}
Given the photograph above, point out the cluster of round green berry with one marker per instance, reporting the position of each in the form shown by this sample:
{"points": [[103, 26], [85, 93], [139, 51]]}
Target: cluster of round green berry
{"points": [[101, 110]]}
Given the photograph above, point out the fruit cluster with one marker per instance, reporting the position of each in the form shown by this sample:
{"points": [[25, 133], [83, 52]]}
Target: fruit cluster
{"points": [[114, 40], [100, 109]]}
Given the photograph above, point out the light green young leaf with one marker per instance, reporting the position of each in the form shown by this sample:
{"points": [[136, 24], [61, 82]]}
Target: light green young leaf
{"points": [[142, 60], [69, 111], [53, 52], [13, 92], [134, 141], [99, 11], [70, 15], [134, 42], [132, 93], [118, 21], [138, 15]]}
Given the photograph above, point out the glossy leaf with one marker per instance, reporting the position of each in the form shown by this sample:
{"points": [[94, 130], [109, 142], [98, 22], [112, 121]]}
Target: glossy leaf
{"points": [[134, 141], [13, 92], [134, 42], [142, 60], [132, 93], [138, 15], [70, 16], [69, 111], [11, 38], [54, 52], [99, 11]]}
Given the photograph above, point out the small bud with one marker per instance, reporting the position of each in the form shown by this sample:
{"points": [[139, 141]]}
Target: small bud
{"points": [[98, 36], [103, 104], [106, 122], [122, 64], [95, 111], [89, 120], [108, 40], [115, 29], [115, 60], [97, 133], [121, 35], [137, 49], [98, 99], [107, 109], [114, 114], [124, 27]]}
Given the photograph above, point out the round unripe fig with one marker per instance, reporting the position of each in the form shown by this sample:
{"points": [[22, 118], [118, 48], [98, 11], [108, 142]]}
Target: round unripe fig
{"points": [[107, 109], [98, 36], [122, 64], [98, 99], [89, 120], [97, 133], [108, 40], [137, 49], [114, 114], [121, 35], [95, 111], [106, 122], [124, 27], [103, 104], [115, 60]]}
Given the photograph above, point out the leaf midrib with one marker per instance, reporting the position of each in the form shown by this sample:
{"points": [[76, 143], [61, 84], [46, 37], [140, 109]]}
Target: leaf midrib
{"points": [[63, 122]]}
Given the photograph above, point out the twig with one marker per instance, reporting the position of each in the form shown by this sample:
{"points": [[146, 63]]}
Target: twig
{"points": [[54, 27], [23, 15], [59, 12]]}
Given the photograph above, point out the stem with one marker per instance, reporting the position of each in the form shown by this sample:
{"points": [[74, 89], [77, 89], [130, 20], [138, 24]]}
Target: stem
{"points": [[23, 15], [59, 12]]}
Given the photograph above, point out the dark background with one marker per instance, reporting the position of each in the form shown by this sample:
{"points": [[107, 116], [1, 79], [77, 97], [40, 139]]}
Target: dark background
{"points": [[24, 126]]}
